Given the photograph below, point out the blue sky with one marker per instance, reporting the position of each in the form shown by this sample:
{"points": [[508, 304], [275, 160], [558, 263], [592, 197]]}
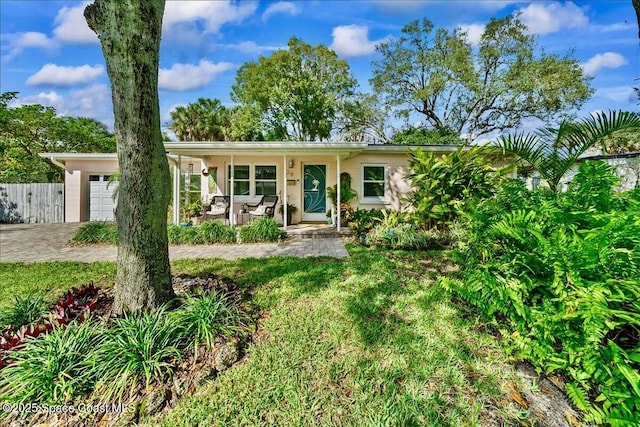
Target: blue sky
{"points": [[51, 57]]}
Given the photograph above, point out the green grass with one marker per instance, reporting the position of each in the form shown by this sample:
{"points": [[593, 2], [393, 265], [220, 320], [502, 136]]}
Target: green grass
{"points": [[52, 368], [49, 280], [369, 340]]}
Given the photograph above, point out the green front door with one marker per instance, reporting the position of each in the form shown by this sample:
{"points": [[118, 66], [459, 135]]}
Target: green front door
{"points": [[315, 193]]}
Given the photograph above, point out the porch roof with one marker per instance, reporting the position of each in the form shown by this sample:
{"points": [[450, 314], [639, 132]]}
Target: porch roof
{"points": [[264, 148]]}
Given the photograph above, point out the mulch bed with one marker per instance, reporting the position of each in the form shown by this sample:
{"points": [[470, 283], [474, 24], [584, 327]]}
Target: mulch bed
{"points": [[189, 373]]}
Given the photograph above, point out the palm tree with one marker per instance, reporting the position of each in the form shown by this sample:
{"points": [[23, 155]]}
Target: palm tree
{"points": [[204, 120], [553, 151]]}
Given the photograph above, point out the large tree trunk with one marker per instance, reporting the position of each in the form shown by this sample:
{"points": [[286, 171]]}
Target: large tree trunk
{"points": [[129, 31]]}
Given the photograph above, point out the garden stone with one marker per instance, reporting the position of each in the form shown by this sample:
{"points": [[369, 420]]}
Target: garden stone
{"points": [[202, 376], [153, 402], [180, 385], [128, 417], [226, 356], [548, 405]]}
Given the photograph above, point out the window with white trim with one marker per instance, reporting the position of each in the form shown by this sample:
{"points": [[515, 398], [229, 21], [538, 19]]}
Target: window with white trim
{"points": [[265, 180], [253, 180], [241, 180], [374, 183]]}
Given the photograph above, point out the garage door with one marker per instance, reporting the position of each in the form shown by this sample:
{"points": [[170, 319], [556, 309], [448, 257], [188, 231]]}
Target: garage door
{"points": [[101, 204]]}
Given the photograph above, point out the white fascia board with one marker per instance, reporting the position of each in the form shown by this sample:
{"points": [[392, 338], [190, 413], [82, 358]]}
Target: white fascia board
{"points": [[262, 148]]}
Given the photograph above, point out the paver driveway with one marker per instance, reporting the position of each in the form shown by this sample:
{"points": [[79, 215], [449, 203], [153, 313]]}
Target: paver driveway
{"points": [[50, 242]]}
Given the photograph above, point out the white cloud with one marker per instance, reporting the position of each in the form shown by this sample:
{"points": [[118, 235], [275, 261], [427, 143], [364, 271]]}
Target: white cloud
{"points": [[545, 18], [280, 7], [353, 40], [72, 27], [34, 39], [413, 6], [188, 76], [474, 32], [17, 42], [616, 27], [214, 14], [48, 99], [93, 101], [250, 47], [603, 60], [54, 75], [621, 94]]}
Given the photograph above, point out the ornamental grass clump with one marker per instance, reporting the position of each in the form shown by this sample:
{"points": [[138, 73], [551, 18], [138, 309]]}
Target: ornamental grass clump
{"points": [[264, 229], [52, 368], [97, 232], [207, 317], [137, 348], [216, 232], [23, 311]]}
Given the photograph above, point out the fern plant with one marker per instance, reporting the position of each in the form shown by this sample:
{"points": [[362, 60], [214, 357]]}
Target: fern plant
{"points": [[560, 271]]}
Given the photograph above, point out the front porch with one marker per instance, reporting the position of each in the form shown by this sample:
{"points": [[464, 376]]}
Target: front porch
{"points": [[298, 174], [314, 230]]}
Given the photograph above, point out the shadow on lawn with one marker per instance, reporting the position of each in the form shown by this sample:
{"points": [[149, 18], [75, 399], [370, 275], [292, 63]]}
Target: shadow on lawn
{"points": [[388, 275], [273, 276]]}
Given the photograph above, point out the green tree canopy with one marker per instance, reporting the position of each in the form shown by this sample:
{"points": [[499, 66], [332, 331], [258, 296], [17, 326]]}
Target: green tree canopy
{"points": [[27, 130], [300, 92], [475, 90], [421, 135]]}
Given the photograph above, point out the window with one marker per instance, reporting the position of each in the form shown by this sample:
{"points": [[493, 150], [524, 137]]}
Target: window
{"points": [[373, 183], [265, 180], [241, 180], [250, 180]]}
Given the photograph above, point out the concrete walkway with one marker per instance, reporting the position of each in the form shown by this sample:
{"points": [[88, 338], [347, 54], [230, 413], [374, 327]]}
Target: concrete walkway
{"points": [[50, 242]]}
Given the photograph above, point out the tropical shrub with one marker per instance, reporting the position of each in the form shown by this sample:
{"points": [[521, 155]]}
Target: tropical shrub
{"points": [[552, 152], [443, 185], [402, 236], [560, 273], [264, 229], [364, 220], [396, 230]]}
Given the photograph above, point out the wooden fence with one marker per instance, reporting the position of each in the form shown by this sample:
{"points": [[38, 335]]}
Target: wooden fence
{"points": [[31, 203]]}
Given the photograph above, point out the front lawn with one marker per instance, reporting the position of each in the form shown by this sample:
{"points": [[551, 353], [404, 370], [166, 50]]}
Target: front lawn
{"points": [[49, 280], [369, 340]]}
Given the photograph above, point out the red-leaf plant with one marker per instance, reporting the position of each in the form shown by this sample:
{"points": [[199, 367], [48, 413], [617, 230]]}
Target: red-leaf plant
{"points": [[75, 304]]}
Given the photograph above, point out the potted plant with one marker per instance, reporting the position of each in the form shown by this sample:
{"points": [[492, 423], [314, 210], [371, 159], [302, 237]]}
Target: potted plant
{"points": [[347, 194], [291, 209], [194, 211]]}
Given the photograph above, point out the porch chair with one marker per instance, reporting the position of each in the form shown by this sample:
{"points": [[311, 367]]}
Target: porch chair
{"points": [[219, 208], [266, 207]]}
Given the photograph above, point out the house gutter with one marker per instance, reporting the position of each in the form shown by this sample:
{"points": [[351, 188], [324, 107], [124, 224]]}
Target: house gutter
{"points": [[56, 162]]}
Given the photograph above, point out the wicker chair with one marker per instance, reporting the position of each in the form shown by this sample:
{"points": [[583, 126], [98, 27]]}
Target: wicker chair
{"points": [[266, 207], [219, 208]]}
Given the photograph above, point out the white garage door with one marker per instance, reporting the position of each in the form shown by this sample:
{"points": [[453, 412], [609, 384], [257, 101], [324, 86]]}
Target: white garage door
{"points": [[101, 204]]}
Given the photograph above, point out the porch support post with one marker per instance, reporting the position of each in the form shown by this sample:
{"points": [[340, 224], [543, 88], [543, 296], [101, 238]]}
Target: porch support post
{"points": [[284, 193], [338, 191], [231, 187], [176, 190]]}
